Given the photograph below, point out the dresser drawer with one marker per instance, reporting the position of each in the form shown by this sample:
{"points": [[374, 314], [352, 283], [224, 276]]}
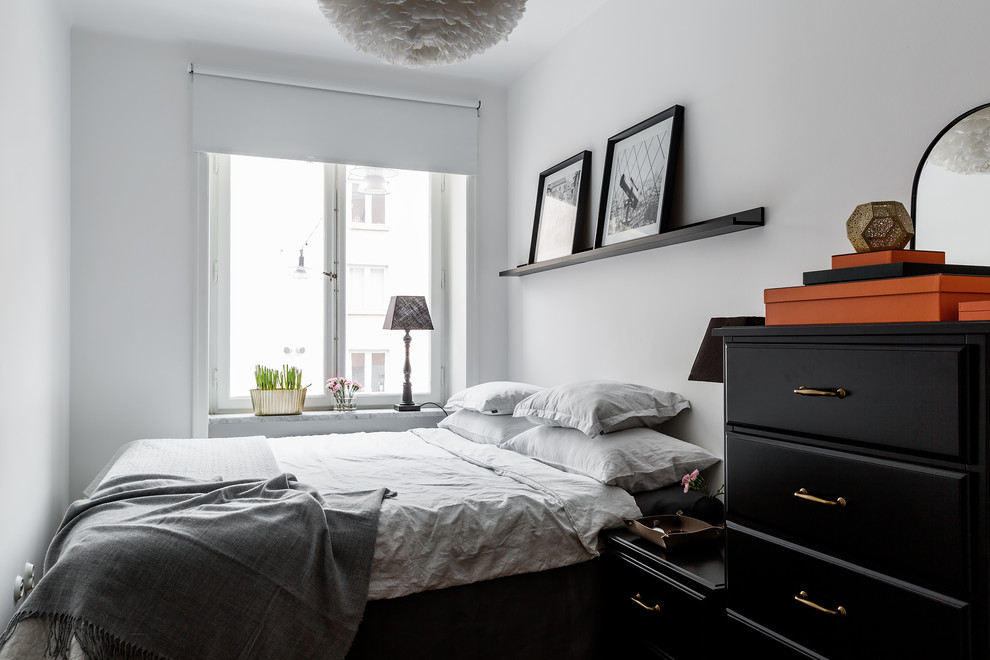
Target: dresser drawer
{"points": [[914, 398], [880, 619], [904, 520]]}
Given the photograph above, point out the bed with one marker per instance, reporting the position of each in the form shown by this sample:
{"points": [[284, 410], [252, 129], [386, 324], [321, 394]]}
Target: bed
{"points": [[473, 539]]}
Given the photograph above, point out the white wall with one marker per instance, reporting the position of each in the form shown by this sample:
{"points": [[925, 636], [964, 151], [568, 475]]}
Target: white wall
{"points": [[34, 269], [134, 295], [806, 108]]}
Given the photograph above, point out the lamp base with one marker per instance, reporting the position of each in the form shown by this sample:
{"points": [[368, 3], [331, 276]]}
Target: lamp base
{"points": [[406, 407]]}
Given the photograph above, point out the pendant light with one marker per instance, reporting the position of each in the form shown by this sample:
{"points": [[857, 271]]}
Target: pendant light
{"points": [[417, 33]]}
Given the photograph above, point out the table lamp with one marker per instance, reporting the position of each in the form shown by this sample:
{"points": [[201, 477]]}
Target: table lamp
{"points": [[708, 364], [407, 313]]}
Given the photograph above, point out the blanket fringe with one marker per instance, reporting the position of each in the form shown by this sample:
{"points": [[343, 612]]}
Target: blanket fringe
{"points": [[94, 642]]}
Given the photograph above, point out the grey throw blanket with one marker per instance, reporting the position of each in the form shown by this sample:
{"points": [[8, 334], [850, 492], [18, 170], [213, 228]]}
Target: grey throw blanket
{"points": [[166, 567]]}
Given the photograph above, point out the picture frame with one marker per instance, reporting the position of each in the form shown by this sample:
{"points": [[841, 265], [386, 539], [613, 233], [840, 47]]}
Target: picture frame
{"points": [[640, 165], [561, 208]]}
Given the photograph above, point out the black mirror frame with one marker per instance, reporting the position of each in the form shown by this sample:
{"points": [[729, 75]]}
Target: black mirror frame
{"points": [[924, 159]]}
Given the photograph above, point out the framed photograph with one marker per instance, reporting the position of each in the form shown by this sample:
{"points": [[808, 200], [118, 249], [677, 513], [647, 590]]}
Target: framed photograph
{"points": [[640, 163], [560, 208]]}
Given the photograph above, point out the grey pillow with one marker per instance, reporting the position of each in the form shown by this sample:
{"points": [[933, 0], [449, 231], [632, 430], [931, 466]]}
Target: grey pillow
{"points": [[636, 460], [483, 428], [497, 397], [600, 406]]}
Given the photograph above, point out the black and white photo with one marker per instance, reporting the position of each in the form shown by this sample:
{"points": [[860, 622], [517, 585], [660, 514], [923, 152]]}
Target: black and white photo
{"points": [[560, 208], [639, 170]]}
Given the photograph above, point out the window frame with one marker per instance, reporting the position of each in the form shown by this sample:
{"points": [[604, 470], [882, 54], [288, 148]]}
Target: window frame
{"points": [[335, 273]]}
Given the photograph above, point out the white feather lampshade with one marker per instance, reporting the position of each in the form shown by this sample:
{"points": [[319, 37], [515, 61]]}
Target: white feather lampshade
{"points": [[419, 33]]}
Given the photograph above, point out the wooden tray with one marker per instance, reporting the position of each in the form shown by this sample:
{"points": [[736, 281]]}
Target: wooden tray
{"points": [[676, 531]]}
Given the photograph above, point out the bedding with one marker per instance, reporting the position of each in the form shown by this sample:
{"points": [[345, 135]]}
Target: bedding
{"points": [[493, 398], [194, 458], [636, 459], [485, 428], [464, 516], [600, 406], [137, 569], [497, 513]]}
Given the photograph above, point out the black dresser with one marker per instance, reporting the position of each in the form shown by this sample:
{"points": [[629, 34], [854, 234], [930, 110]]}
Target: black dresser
{"points": [[856, 490]]}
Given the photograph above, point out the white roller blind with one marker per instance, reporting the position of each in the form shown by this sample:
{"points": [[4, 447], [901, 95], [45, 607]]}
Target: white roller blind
{"points": [[255, 118]]}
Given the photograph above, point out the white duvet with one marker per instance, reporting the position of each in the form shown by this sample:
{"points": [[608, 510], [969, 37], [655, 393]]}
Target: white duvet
{"points": [[464, 511]]}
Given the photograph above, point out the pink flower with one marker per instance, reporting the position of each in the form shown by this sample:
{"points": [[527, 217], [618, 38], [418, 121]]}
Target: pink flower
{"points": [[694, 481]]}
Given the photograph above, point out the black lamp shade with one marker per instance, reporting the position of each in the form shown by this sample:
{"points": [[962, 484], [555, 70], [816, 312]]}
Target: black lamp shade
{"points": [[408, 313], [708, 364]]}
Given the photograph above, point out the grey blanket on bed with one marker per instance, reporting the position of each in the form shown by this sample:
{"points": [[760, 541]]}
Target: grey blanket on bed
{"points": [[172, 567]]}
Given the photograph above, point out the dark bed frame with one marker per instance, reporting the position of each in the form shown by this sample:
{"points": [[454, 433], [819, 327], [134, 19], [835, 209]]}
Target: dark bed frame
{"points": [[536, 616], [549, 614]]}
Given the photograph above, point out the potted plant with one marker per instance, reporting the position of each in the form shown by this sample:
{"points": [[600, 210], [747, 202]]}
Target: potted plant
{"points": [[278, 392]]}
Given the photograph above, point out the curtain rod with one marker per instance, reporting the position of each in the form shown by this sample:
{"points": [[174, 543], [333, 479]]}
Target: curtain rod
{"points": [[217, 73]]}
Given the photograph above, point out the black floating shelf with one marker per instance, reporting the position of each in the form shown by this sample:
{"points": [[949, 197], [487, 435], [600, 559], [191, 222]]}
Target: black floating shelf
{"points": [[705, 229]]}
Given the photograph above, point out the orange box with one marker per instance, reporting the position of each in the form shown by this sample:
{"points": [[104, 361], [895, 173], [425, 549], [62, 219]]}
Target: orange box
{"points": [[887, 257], [976, 310], [894, 300]]}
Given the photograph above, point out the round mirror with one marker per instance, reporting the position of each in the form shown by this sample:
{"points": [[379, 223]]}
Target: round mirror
{"points": [[951, 194]]}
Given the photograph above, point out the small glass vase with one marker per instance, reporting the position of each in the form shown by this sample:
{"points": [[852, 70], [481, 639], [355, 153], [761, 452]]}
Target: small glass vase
{"points": [[344, 403]]}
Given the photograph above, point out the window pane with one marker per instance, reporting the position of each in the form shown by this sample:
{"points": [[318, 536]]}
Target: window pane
{"points": [[378, 209], [276, 210], [374, 290], [366, 290], [402, 248], [355, 285], [377, 372], [357, 367], [357, 204]]}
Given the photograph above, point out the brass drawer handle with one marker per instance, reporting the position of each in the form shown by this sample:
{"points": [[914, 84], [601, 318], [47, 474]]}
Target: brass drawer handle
{"points": [[839, 392], [803, 494], [802, 598], [636, 599]]}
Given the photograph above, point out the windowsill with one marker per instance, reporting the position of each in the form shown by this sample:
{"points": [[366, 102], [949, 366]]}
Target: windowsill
{"points": [[320, 422], [325, 415]]}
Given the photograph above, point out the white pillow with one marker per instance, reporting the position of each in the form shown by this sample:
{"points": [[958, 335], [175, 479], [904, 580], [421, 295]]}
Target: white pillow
{"points": [[601, 406], [635, 459], [484, 429], [495, 398]]}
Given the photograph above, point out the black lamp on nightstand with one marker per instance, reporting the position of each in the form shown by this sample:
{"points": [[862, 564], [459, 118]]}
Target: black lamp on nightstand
{"points": [[708, 364], [407, 313]]}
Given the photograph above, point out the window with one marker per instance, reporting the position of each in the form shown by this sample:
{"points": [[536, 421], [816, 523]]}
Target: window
{"points": [[298, 280], [368, 367], [366, 289], [366, 209]]}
